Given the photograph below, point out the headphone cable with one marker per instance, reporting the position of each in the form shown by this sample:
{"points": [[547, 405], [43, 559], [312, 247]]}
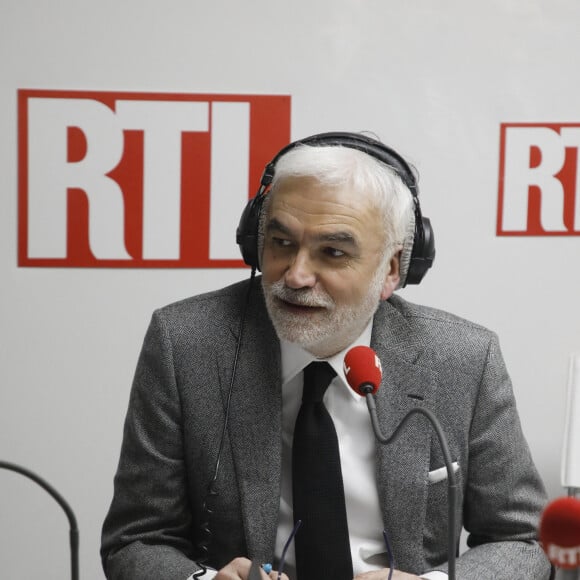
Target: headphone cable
{"points": [[204, 544]]}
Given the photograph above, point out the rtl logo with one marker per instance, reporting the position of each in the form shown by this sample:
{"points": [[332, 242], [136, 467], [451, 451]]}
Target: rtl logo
{"points": [[539, 182], [140, 180]]}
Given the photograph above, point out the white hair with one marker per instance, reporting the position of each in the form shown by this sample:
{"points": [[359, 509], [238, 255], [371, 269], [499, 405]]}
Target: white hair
{"points": [[364, 175]]}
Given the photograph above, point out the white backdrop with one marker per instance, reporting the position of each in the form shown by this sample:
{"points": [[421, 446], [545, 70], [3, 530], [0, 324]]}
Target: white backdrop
{"points": [[433, 79]]}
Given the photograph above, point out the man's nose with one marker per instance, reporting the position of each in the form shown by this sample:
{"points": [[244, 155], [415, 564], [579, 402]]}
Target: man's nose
{"points": [[300, 272]]}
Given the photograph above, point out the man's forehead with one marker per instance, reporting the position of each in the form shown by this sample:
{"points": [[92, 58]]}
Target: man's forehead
{"points": [[311, 193], [330, 211]]}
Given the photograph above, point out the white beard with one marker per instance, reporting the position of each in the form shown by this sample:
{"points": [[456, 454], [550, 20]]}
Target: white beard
{"points": [[328, 329]]}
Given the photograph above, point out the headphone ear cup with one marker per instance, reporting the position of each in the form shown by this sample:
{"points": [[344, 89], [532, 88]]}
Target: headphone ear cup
{"points": [[423, 252], [247, 233]]}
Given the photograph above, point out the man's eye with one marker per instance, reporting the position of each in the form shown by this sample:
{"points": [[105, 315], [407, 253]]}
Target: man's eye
{"points": [[282, 242], [334, 252]]}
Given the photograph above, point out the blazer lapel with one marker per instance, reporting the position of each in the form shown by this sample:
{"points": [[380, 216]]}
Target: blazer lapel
{"points": [[403, 465], [255, 427]]}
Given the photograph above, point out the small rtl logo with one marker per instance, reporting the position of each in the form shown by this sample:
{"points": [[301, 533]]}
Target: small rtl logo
{"points": [[539, 180], [138, 180]]}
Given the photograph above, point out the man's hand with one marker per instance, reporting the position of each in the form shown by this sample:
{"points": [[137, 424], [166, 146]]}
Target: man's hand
{"points": [[384, 574], [240, 569]]}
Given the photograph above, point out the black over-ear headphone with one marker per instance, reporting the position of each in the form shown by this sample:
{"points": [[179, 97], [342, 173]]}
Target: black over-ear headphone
{"points": [[423, 252]]}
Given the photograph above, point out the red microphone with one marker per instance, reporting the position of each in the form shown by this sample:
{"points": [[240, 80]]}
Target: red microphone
{"points": [[560, 532], [362, 369]]}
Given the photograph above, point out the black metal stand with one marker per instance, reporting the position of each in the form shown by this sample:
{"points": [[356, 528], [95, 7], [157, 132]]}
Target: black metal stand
{"points": [[74, 531]]}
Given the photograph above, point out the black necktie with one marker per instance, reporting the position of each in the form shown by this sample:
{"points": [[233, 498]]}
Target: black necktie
{"points": [[322, 545]]}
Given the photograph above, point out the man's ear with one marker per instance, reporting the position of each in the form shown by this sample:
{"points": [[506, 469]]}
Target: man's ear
{"points": [[392, 277]]}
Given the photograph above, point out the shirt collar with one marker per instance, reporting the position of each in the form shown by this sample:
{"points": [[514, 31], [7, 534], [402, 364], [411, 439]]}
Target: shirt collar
{"points": [[294, 359]]}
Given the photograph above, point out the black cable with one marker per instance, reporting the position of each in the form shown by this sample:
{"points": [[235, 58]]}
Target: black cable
{"points": [[390, 556], [286, 546], [74, 530], [204, 544]]}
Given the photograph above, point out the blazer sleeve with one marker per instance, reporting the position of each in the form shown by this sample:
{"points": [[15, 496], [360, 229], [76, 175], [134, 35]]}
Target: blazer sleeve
{"points": [[146, 534], [504, 495]]}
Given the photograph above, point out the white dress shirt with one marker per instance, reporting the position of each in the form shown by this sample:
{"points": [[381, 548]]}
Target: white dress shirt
{"points": [[357, 456]]}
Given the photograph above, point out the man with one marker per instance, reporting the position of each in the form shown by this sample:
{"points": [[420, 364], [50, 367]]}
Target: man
{"points": [[206, 469]]}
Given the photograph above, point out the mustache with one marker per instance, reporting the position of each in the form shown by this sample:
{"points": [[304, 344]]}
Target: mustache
{"points": [[301, 296]]}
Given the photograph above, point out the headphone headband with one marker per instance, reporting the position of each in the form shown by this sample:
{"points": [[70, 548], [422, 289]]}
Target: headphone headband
{"points": [[423, 249], [356, 141]]}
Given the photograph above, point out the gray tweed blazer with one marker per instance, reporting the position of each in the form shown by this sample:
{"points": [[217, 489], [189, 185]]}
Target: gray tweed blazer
{"points": [[176, 415]]}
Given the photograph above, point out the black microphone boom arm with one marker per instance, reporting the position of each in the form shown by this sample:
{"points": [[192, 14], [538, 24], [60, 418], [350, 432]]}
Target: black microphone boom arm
{"points": [[366, 390]]}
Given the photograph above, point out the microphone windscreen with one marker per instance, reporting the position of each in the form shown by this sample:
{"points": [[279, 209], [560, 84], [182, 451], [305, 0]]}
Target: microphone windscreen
{"points": [[362, 367], [560, 532]]}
